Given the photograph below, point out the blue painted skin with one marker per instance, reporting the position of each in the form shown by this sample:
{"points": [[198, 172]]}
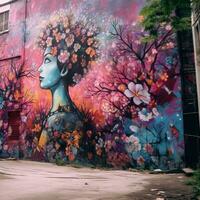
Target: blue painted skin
{"points": [[51, 77]]}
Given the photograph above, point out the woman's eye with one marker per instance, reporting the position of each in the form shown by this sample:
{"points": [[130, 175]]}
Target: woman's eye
{"points": [[47, 60]]}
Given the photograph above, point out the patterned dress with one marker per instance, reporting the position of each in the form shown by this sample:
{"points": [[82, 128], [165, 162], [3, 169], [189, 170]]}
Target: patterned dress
{"points": [[60, 137]]}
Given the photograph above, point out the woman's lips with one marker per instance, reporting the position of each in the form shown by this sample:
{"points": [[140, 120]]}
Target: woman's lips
{"points": [[41, 78]]}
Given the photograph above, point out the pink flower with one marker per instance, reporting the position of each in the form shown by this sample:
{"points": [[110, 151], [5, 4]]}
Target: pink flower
{"points": [[132, 144], [63, 36], [134, 128], [56, 134], [77, 78], [107, 108], [170, 45], [77, 46], [124, 137], [140, 161], [69, 40], [74, 58], [155, 112], [138, 42], [138, 93], [154, 51], [150, 59], [54, 51], [168, 27], [148, 148], [67, 30], [90, 33], [64, 56], [5, 147], [49, 41], [144, 115]]}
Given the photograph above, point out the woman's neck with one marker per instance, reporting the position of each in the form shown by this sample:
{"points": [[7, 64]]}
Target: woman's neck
{"points": [[60, 97]]}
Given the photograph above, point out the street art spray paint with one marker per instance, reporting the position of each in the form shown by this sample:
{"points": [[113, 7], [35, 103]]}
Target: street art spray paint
{"points": [[98, 91]]}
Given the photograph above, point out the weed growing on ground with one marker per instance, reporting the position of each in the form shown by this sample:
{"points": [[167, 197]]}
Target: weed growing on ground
{"points": [[195, 182]]}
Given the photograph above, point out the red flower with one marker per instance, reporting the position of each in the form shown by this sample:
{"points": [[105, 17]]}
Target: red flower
{"points": [[140, 160], [54, 51], [89, 133], [174, 131], [148, 148], [74, 58]]}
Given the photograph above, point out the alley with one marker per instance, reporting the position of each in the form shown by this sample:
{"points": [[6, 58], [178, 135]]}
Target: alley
{"points": [[26, 180]]}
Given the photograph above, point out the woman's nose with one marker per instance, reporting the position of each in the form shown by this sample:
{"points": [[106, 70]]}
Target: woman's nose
{"points": [[40, 69]]}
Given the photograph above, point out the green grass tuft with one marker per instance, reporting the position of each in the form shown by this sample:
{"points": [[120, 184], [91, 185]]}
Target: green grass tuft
{"points": [[195, 182]]}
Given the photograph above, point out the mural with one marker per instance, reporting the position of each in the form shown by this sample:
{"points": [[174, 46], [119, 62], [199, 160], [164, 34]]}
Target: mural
{"points": [[11, 102], [104, 92], [69, 48]]}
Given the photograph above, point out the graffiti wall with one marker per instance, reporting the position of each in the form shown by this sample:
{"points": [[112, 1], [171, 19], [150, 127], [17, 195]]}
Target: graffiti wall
{"points": [[92, 88]]}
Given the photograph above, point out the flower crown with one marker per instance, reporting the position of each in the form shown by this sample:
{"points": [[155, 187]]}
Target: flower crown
{"points": [[73, 42]]}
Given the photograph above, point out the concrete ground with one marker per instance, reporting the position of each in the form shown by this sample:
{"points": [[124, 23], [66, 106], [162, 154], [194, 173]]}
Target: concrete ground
{"points": [[26, 180]]}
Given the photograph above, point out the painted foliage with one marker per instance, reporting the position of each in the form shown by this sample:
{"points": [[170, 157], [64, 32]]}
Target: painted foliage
{"points": [[103, 93]]}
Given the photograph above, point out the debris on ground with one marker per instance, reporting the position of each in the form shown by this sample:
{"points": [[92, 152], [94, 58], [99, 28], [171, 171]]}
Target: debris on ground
{"points": [[188, 171]]}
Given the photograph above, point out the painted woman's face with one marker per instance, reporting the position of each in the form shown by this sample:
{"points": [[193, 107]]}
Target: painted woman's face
{"points": [[49, 71]]}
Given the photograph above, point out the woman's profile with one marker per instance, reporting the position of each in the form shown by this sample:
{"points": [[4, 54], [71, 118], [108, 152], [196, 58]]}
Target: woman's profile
{"points": [[69, 48]]}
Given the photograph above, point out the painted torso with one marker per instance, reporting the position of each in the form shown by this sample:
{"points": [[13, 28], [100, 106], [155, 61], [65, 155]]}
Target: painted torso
{"points": [[61, 134], [64, 121]]}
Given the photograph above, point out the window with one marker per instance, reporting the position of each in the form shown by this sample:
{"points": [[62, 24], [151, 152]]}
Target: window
{"points": [[4, 21], [13, 124]]}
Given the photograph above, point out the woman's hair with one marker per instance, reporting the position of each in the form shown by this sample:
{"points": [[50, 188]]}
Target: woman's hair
{"points": [[74, 43]]}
